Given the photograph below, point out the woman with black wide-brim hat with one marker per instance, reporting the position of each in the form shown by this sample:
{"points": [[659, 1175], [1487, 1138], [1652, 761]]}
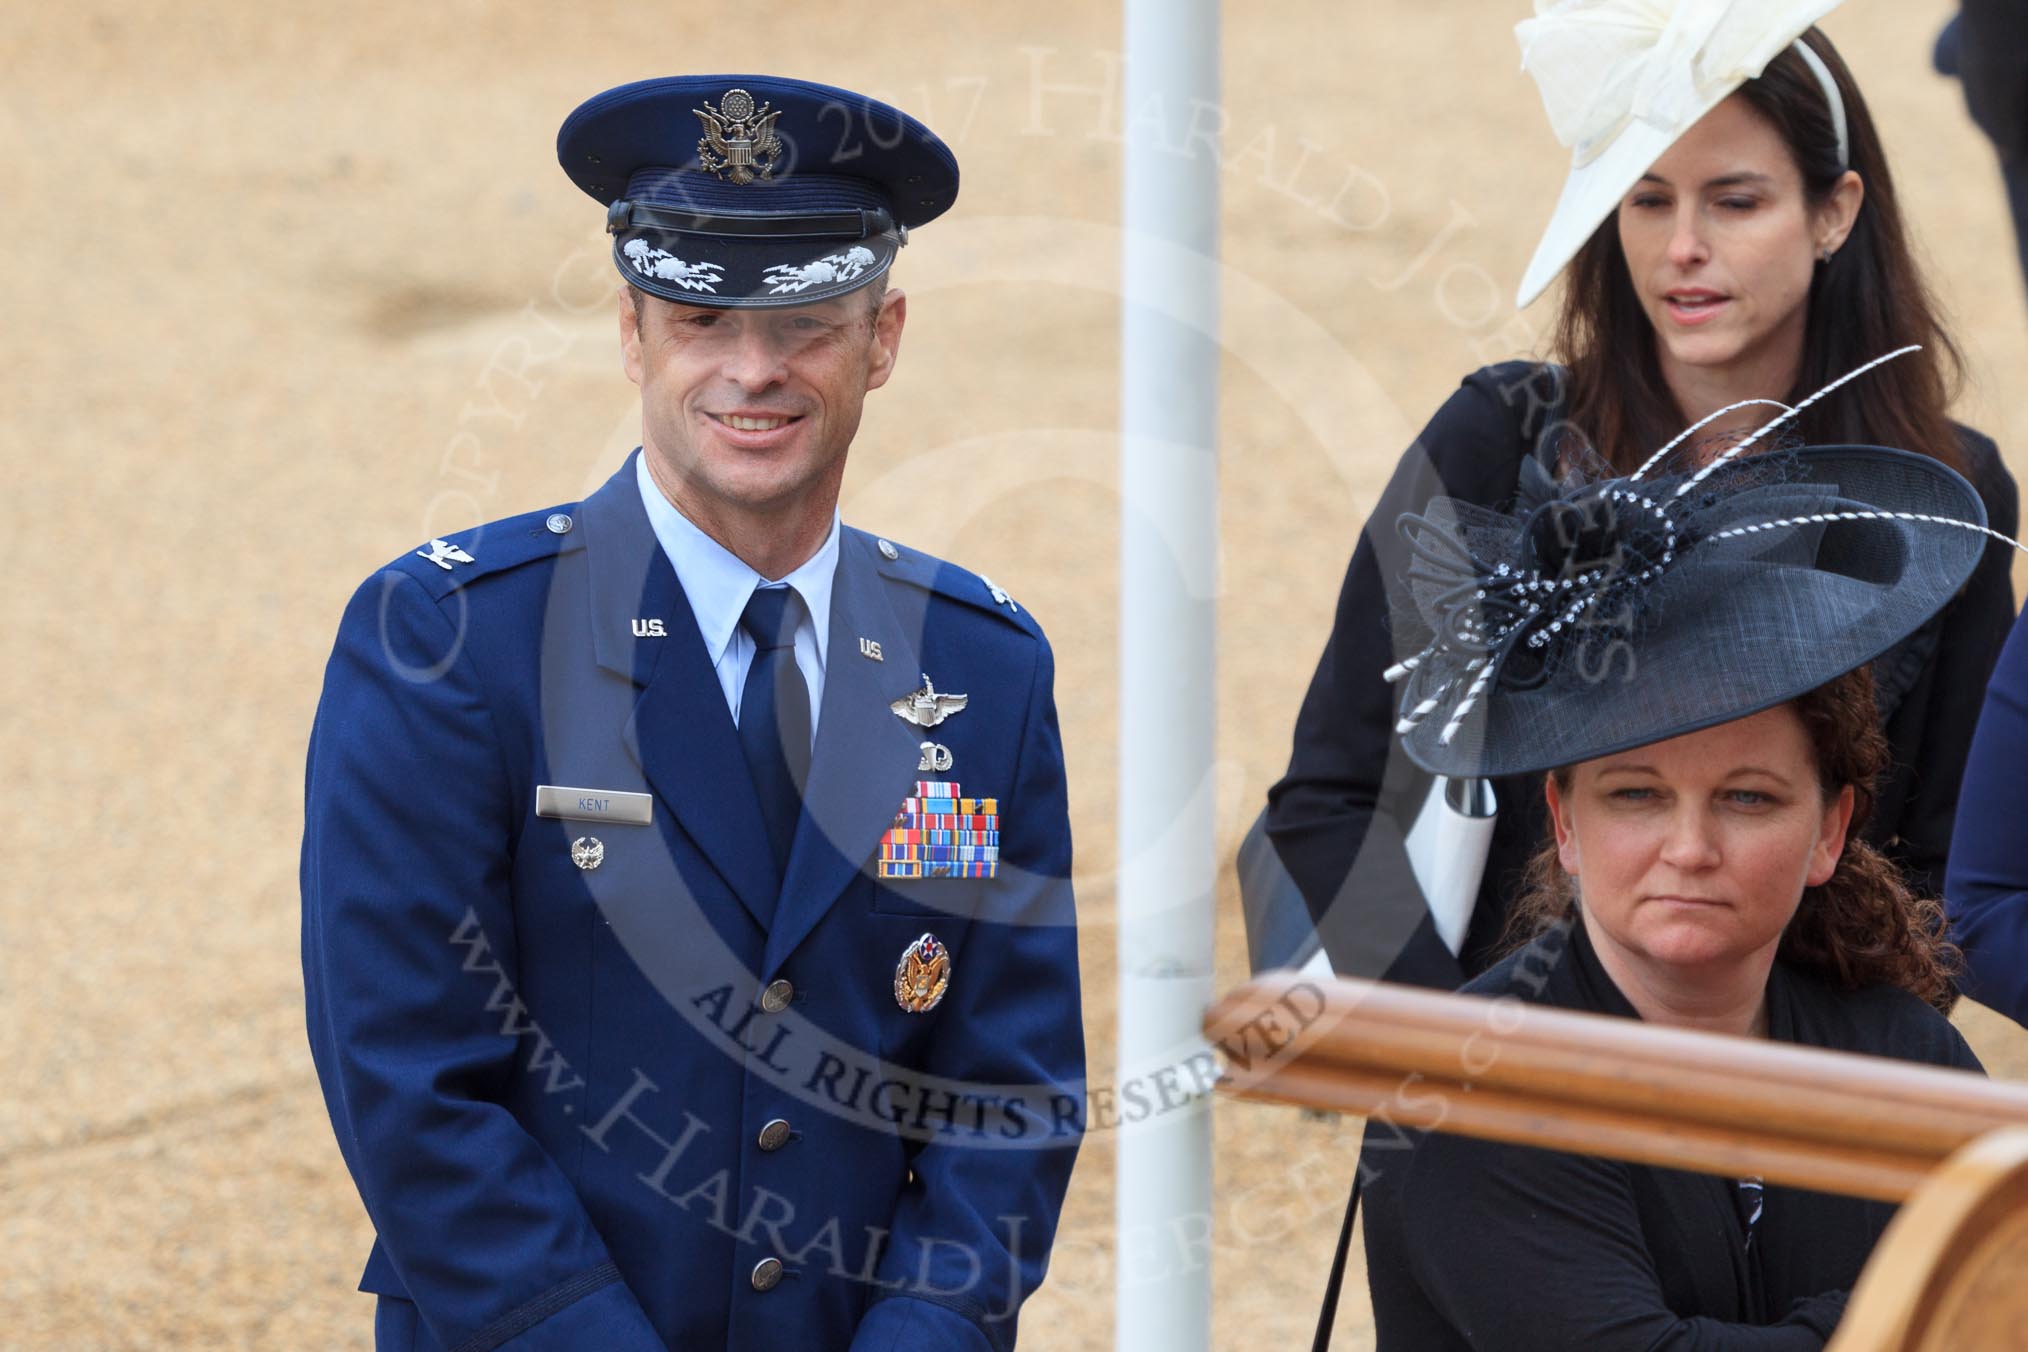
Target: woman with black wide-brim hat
{"points": [[1730, 240], [1677, 661]]}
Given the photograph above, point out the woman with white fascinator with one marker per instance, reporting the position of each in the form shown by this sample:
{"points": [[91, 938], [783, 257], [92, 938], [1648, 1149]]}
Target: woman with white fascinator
{"points": [[1729, 241]]}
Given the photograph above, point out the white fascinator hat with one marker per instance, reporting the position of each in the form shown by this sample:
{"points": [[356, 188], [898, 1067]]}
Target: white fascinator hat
{"points": [[1622, 80]]}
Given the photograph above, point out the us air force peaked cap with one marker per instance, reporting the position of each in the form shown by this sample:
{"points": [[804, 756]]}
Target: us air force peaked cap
{"points": [[751, 190]]}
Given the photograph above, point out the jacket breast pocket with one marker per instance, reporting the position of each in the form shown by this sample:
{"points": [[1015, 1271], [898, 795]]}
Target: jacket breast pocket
{"points": [[953, 900]]}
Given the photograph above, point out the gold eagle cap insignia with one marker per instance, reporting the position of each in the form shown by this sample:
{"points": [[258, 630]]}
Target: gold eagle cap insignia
{"points": [[739, 143], [923, 975], [928, 706]]}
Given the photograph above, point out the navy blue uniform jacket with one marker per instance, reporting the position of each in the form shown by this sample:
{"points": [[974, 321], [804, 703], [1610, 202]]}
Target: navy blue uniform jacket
{"points": [[1986, 890], [550, 1082]]}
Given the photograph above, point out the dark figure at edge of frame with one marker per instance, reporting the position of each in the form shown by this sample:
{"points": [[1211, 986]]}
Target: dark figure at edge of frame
{"points": [[1985, 45]]}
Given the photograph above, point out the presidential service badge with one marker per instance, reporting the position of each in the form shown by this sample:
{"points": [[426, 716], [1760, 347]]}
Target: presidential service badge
{"points": [[923, 975], [739, 142]]}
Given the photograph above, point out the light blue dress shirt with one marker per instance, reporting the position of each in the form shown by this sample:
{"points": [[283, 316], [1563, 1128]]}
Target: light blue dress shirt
{"points": [[718, 584]]}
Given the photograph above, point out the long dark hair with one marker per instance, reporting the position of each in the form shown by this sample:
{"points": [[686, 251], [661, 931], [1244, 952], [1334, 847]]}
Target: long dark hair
{"points": [[1868, 300], [1863, 926]]}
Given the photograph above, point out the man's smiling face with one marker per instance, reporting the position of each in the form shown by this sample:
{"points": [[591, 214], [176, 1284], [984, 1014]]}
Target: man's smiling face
{"points": [[747, 414]]}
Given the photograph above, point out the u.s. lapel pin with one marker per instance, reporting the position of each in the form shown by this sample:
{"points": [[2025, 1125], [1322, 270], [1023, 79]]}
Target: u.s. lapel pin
{"points": [[923, 975], [928, 706], [869, 648]]}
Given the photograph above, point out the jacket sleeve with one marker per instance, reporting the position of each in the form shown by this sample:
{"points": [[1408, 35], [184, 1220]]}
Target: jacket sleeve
{"points": [[406, 844], [1936, 734], [1338, 816], [971, 1235], [1986, 891]]}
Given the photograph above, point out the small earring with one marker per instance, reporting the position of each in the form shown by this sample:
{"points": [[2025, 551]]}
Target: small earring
{"points": [[1823, 255]]}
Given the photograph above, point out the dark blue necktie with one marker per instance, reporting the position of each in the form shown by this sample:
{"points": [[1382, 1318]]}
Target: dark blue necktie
{"points": [[774, 715]]}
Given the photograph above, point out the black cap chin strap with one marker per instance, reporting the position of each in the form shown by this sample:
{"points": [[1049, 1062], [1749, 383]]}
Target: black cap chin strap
{"points": [[856, 224]]}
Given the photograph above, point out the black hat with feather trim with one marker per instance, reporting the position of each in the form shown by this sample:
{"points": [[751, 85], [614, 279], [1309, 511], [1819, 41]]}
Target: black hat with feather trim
{"points": [[1604, 614]]}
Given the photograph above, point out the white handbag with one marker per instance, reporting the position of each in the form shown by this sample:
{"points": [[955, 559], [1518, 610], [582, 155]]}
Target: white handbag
{"points": [[1447, 850]]}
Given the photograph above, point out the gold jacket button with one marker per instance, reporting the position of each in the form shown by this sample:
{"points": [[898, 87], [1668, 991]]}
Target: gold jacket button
{"points": [[776, 997], [775, 1135], [767, 1274]]}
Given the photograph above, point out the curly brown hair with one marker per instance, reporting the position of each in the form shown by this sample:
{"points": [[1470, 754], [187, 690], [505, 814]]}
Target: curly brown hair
{"points": [[1863, 926]]}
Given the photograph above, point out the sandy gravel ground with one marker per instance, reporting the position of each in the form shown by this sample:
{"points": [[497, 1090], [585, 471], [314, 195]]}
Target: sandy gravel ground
{"points": [[288, 289]]}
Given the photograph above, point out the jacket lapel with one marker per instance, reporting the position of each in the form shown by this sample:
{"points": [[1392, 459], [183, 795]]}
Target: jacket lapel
{"points": [[680, 733], [865, 758]]}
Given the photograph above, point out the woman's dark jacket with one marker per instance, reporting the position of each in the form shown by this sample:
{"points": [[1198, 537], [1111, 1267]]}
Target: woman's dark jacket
{"points": [[1481, 1245], [1338, 817]]}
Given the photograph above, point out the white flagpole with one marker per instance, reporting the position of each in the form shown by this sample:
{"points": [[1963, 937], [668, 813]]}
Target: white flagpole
{"points": [[1168, 583]]}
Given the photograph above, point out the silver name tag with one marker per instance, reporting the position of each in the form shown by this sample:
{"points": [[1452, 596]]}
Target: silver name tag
{"points": [[593, 805]]}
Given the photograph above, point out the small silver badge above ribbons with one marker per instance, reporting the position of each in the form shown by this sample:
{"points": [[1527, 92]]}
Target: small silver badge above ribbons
{"points": [[926, 707], [739, 142], [923, 975], [935, 757], [594, 805]]}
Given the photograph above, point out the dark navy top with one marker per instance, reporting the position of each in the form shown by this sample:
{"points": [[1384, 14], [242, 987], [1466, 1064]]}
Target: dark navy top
{"points": [[1480, 1245]]}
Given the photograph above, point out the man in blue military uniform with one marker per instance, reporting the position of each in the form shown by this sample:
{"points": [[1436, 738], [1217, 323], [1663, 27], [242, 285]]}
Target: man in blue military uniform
{"points": [[687, 928]]}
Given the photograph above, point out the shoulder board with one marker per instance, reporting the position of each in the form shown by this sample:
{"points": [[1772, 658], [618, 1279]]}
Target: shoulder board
{"points": [[932, 574], [452, 561]]}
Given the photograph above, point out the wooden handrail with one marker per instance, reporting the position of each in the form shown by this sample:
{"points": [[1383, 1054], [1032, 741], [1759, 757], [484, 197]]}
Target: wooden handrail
{"points": [[1946, 1277], [1510, 1071]]}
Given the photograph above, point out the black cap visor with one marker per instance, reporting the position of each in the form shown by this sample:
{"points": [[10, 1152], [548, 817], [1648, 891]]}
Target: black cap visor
{"points": [[750, 261]]}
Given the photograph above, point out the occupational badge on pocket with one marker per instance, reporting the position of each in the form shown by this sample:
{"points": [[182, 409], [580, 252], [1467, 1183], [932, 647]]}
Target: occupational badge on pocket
{"points": [[939, 834], [923, 975]]}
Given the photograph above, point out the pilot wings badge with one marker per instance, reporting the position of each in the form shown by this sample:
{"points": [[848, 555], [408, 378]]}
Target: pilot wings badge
{"points": [[927, 707], [739, 142], [923, 975]]}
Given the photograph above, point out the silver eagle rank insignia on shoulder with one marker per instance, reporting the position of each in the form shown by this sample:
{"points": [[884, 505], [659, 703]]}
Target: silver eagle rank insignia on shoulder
{"points": [[443, 554]]}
